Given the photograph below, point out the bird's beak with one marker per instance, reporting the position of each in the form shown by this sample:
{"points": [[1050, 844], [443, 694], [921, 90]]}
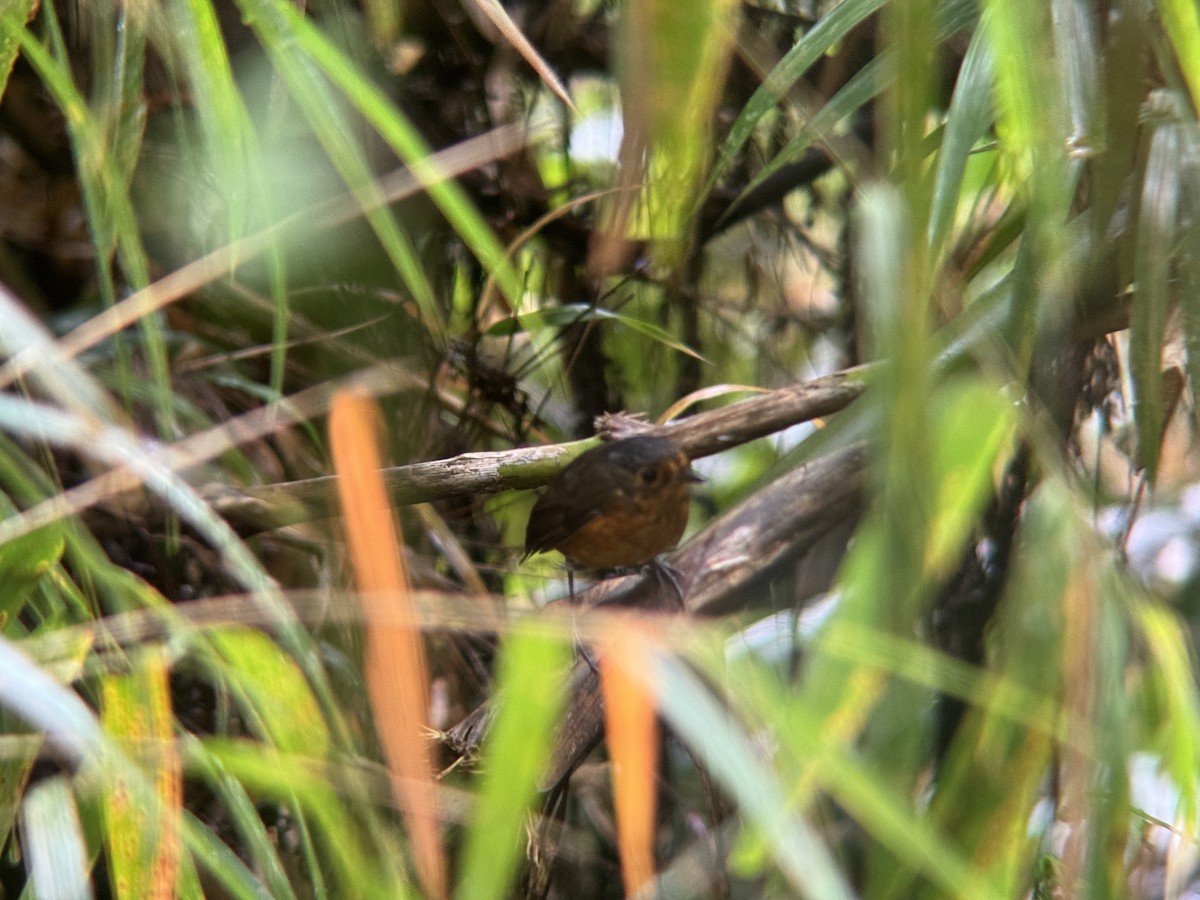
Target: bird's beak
{"points": [[690, 474]]}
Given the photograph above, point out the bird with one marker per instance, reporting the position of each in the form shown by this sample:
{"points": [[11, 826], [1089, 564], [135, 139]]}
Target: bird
{"points": [[615, 506]]}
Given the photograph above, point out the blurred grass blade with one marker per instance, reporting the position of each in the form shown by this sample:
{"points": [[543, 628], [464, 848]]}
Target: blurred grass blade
{"points": [[1182, 21], [1175, 731], [1188, 262], [529, 697], [631, 729], [973, 423], [117, 447], [499, 17], [42, 703], [724, 746], [673, 60], [896, 287], [395, 670], [1157, 229], [14, 16], [456, 160], [280, 29], [106, 201], [408, 144], [63, 379], [967, 120], [353, 862], [269, 878], [275, 696], [1077, 52], [143, 840], [832, 28], [56, 855], [820, 748], [222, 863], [231, 145], [867, 83]]}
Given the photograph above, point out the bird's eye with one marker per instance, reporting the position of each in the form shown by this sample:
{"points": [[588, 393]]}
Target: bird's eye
{"points": [[649, 475]]}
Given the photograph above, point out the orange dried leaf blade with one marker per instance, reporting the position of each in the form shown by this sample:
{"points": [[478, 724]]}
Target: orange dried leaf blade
{"points": [[396, 674], [631, 722]]}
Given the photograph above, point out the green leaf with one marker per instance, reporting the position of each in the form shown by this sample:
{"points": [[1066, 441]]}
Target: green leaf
{"points": [[259, 846], [1157, 229], [15, 15], [23, 562], [1181, 19], [407, 142], [968, 119], [972, 424], [865, 84], [674, 60], [276, 696], [304, 784], [142, 838]]}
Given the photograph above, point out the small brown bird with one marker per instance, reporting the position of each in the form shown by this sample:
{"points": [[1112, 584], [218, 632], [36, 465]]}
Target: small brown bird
{"points": [[620, 504]]}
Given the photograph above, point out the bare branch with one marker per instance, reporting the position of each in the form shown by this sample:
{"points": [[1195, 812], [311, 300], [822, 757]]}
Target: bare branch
{"points": [[718, 570], [259, 509]]}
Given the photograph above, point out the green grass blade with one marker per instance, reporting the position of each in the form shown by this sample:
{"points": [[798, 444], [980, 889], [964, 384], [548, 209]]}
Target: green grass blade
{"points": [[727, 750], [407, 143], [1181, 18], [810, 48], [967, 120], [1157, 229], [529, 694]]}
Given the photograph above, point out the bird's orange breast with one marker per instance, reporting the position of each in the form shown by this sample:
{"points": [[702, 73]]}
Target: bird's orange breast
{"points": [[630, 532]]}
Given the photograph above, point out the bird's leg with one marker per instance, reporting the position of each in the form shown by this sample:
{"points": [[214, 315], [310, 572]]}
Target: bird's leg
{"points": [[580, 649]]}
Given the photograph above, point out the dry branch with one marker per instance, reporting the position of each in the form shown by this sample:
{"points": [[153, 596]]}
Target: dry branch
{"points": [[259, 509], [719, 569]]}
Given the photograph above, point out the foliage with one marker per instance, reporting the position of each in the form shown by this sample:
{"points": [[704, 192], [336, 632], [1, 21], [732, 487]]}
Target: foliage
{"points": [[216, 215]]}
